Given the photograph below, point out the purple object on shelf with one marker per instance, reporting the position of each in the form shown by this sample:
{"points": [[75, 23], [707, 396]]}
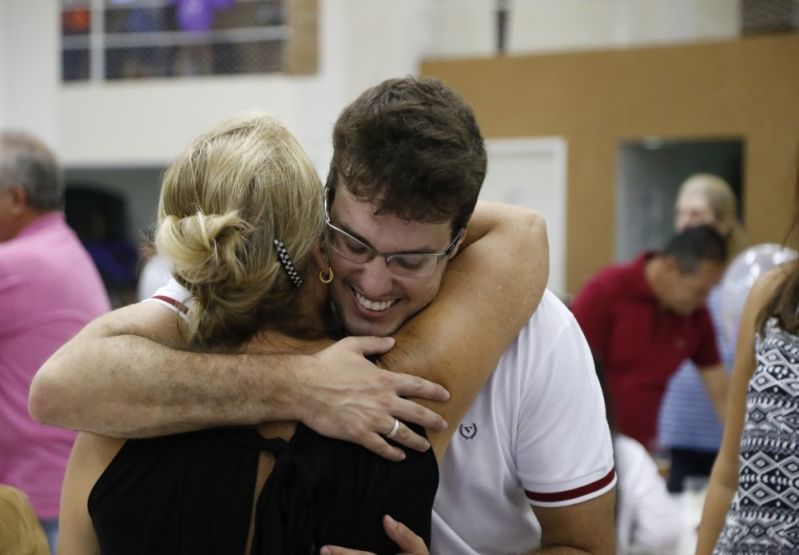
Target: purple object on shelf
{"points": [[198, 15]]}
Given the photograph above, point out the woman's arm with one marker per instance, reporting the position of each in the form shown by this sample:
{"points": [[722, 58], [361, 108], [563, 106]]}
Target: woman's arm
{"points": [[490, 290], [724, 477], [90, 456]]}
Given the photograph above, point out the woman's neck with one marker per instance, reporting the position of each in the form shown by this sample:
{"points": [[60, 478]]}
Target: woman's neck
{"points": [[312, 300]]}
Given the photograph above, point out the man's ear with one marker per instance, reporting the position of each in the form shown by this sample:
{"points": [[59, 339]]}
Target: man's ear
{"points": [[671, 265], [457, 247], [19, 199]]}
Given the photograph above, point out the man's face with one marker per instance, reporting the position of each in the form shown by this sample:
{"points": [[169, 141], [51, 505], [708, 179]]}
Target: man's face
{"points": [[372, 300], [687, 292]]}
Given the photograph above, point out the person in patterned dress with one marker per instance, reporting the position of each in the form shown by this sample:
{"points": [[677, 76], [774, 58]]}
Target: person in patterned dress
{"points": [[752, 505]]}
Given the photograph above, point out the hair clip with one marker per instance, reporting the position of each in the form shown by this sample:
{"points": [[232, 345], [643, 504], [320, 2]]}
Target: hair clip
{"points": [[285, 261]]}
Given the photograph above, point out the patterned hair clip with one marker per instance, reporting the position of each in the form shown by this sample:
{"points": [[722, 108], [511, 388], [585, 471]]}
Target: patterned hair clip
{"points": [[285, 261]]}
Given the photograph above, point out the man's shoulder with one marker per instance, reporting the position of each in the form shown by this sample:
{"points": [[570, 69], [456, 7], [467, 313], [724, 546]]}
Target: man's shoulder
{"points": [[610, 284], [615, 275], [549, 320], [551, 336]]}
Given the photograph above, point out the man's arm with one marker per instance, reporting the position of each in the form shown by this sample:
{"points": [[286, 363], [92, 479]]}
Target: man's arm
{"points": [[717, 383], [586, 527], [564, 451], [489, 292], [117, 378]]}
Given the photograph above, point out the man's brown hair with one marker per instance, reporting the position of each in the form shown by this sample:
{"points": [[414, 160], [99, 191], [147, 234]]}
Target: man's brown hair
{"points": [[413, 148]]}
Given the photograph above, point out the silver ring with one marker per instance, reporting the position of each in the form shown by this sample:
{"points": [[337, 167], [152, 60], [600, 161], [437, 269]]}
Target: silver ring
{"points": [[394, 430]]}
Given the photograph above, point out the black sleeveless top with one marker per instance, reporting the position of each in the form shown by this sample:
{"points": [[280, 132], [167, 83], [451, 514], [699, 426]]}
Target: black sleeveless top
{"points": [[192, 493]]}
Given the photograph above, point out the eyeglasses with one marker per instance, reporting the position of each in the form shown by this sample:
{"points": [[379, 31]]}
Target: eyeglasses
{"points": [[405, 264]]}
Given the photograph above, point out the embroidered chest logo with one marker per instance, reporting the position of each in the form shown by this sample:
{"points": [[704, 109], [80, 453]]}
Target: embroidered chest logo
{"points": [[468, 431]]}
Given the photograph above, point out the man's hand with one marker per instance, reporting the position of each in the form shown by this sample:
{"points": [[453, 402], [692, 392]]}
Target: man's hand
{"points": [[407, 541], [345, 396]]}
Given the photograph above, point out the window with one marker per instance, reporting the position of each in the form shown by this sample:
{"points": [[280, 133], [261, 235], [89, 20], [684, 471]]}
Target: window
{"points": [[129, 39]]}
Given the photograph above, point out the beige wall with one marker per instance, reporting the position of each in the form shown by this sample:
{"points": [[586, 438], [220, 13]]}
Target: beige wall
{"points": [[595, 100]]}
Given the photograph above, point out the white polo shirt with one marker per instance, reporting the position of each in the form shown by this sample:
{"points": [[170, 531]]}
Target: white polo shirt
{"points": [[535, 435]]}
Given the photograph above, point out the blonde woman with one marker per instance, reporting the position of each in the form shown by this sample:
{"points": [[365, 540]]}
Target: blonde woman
{"points": [[704, 198], [688, 425], [241, 218]]}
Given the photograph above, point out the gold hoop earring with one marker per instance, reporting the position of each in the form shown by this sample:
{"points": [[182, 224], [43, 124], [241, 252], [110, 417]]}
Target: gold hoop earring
{"points": [[326, 277]]}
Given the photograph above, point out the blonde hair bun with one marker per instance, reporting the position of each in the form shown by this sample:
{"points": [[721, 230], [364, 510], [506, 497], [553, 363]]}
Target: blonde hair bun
{"points": [[205, 248]]}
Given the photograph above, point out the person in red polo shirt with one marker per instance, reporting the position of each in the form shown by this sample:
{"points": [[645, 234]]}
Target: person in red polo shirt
{"points": [[643, 318]]}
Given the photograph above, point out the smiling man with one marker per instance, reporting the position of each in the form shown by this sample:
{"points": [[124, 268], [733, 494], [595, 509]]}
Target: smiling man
{"points": [[376, 292], [407, 168]]}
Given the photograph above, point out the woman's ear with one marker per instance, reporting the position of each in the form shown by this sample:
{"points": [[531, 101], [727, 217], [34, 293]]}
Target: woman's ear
{"points": [[320, 257]]}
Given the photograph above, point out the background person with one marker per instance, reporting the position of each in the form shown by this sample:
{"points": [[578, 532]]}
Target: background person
{"points": [[49, 288], [22, 533], [751, 500], [687, 425], [648, 520], [643, 318]]}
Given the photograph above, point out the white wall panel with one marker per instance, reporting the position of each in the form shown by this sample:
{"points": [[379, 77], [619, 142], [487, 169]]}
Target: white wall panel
{"points": [[531, 172]]}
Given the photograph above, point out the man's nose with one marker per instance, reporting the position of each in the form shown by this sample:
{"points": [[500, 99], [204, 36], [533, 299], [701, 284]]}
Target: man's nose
{"points": [[376, 279]]}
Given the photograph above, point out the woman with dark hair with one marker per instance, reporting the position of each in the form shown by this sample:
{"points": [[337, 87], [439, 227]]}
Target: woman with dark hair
{"points": [[753, 481]]}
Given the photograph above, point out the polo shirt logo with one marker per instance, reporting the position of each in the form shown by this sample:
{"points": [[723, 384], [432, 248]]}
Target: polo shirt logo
{"points": [[468, 431]]}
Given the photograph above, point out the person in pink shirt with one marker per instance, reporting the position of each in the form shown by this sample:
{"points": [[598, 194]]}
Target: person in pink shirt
{"points": [[49, 289]]}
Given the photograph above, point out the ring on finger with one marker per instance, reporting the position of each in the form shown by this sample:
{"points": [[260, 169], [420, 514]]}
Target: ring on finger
{"points": [[393, 433]]}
